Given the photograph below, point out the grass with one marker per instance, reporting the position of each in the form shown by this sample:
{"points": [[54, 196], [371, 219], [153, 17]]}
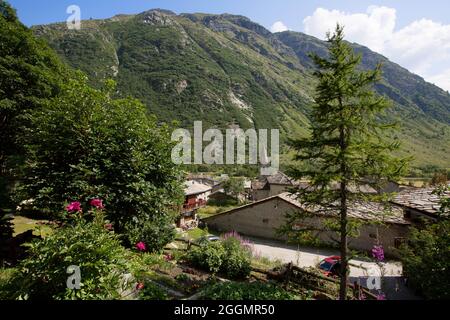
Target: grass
{"points": [[196, 233], [23, 224], [210, 211]]}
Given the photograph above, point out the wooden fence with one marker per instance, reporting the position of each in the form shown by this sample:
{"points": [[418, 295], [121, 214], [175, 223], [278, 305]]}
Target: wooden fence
{"points": [[309, 280]]}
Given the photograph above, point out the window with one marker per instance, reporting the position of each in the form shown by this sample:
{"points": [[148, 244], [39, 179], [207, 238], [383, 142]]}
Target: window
{"points": [[265, 221], [398, 242], [407, 214]]}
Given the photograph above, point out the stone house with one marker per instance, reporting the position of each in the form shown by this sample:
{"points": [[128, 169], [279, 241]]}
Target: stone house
{"points": [[419, 203], [264, 217], [196, 196], [268, 186]]}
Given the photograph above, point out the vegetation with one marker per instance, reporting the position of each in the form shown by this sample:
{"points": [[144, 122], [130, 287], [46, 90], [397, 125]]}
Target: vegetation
{"points": [[246, 291], [234, 186], [85, 144], [90, 246], [30, 73], [197, 62], [230, 257], [426, 260], [346, 144]]}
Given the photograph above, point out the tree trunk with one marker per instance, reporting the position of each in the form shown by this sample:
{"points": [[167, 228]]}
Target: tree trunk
{"points": [[343, 212], [344, 263]]}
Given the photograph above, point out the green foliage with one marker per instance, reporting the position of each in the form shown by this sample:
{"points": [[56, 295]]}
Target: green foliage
{"points": [[426, 260], [348, 144], [6, 229], [220, 54], [237, 259], [234, 186], [30, 73], [228, 257], [152, 291], [155, 232], [439, 177], [85, 143], [98, 253], [246, 291], [209, 257]]}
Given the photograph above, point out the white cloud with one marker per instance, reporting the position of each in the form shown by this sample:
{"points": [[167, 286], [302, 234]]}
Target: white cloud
{"points": [[278, 26], [423, 46]]}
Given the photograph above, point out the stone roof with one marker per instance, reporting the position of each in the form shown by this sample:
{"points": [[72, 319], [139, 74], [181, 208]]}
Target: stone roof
{"points": [[280, 178], [192, 187], [421, 199], [369, 211], [364, 210]]}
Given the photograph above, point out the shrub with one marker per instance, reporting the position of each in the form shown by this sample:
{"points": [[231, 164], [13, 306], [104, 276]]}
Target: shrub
{"points": [[88, 245], [426, 260], [209, 256], [6, 234], [151, 291], [232, 257], [237, 261], [85, 143], [155, 232], [246, 291]]}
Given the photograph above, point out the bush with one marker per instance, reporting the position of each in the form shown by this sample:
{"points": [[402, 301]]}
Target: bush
{"points": [[152, 291], [209, 256], [246, 291], [6, 234], [85, 143], [155, 232], [230, 257], [426, 260], [88, 245], [237, 260]]}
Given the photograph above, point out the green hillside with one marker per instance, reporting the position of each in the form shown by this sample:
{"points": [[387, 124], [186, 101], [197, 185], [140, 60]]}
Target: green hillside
{"points": [[227, 70]]}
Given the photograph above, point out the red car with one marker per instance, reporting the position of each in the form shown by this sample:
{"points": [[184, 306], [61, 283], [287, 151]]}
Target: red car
{"points": [[331, 266]]}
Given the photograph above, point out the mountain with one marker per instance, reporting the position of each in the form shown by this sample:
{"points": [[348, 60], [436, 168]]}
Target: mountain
{"points": [[228, 70]]}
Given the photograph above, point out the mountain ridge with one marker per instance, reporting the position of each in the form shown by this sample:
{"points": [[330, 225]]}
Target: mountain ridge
{"points": [[228, 70]]}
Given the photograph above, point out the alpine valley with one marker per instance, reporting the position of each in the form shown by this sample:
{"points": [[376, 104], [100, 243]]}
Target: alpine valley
{"points": [[227, 70]]}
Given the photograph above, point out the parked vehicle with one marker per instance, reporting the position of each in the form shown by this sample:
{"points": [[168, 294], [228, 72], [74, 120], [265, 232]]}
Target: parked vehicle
{"points": [[207, 238], [331, 266]]}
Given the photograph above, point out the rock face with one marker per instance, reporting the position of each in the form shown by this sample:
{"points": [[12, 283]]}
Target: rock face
{"points": [[185, 66]]}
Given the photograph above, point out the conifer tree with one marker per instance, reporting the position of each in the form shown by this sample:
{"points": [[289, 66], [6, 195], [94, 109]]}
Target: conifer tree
{"points": [[348, 146]]}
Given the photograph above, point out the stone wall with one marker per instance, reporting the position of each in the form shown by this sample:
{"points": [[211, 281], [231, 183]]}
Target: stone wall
{"points": [[262, 219]]}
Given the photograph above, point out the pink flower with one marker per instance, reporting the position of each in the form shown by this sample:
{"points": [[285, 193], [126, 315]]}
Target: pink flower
{"points": [[381, 296], [140, 286], [98, 203], [168, 257], [109, 226], [378, 253], [141, 246], [74, 207]]}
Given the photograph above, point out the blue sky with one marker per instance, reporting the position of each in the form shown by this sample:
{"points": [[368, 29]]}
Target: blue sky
{"points": [[415, 34], [264, 12]]}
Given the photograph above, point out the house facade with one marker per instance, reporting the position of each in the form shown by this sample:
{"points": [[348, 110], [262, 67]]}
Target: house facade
{"points": [[196, 196], [269, 186], [263, 218]]}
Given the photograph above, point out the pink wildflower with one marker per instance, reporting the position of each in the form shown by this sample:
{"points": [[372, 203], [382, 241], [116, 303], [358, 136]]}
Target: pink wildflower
{"points": [[98, 203], [109, 226], [378, 253], [381, 296], [141, 246], [74, 207], [140, 286]]}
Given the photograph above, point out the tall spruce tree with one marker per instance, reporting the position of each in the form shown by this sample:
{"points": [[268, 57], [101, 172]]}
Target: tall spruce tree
{"points": [[348, 146]]}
